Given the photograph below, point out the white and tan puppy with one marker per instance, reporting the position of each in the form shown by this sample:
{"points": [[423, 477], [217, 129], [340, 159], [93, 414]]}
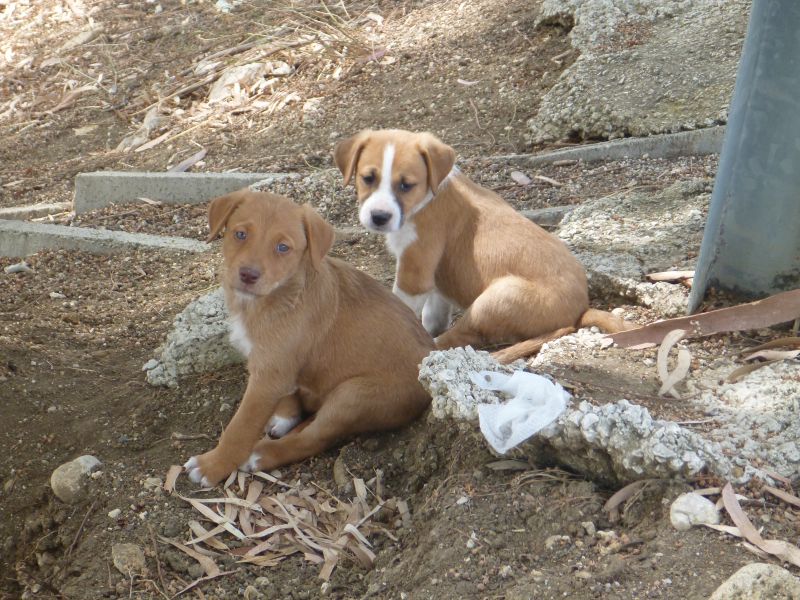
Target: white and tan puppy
{"points": [[457, 243], [322, 340]]}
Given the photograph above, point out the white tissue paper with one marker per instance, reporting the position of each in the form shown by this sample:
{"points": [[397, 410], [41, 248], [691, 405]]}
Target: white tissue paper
{"points": [[536, 402]]}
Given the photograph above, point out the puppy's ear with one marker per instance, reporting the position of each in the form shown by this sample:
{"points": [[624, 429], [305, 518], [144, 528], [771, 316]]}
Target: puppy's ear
{"points": [[319, 235], [439, 158], [219, 210], [346, 153]]}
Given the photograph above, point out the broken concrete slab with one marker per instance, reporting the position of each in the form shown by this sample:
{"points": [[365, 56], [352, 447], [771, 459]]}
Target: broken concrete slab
{"points": [[616, 443], [198, 343], [101, 188], [701, 142], [627, 81], [22, 238], [34, 210], [622, 237]]}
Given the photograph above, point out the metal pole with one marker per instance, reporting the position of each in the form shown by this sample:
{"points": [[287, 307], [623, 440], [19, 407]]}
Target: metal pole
{"points": [[751, 243]]}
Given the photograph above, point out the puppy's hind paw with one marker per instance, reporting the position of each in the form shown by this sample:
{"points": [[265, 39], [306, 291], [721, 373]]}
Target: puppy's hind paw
{"points": [[279, 426], [252, 464]]}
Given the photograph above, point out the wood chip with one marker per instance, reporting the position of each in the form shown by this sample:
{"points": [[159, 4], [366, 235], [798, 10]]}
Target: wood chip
{"points": [[670, 276], [549, 180]]}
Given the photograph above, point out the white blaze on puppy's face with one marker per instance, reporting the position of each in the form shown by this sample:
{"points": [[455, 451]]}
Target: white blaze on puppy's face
{"points": [[396, 174]]}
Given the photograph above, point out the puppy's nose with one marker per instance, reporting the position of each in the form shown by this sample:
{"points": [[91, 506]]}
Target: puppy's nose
{"points": [[249, 275], [381, 217]]}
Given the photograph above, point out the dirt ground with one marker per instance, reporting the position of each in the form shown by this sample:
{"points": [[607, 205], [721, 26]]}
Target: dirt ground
{"points": [[75, 332]]}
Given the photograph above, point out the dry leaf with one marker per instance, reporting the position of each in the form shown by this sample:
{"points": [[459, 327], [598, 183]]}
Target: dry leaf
{"points": [[209, 566], [670, 379], [779, 548], [773, 355], [785, 496], [779, 308], [172, 476], [612, 504], [737, 374], [188, 163], [792, 342]]}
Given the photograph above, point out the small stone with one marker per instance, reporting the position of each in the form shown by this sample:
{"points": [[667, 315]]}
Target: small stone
{"points": [[262, 582], [251, 593], [584, 575], [153, 483], [555, 540], [759, 581], [57, 295], [505, 571], [692, 509], [114, 514], [128, 559], [589, 528], [69, 481]]}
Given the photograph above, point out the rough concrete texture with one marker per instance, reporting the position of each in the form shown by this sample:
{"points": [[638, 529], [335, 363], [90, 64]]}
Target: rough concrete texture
{"points": [[197, 343], [752, 422], [627, 81], [622, 237], [101, 188], [35, 210], [759, 581], [617, 442], [22, 238], [668, 145]]}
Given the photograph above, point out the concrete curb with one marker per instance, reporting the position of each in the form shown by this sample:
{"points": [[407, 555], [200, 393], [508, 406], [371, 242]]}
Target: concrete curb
{"points": [[670, 145], [35, 210], [101, 188], [21, 238]]}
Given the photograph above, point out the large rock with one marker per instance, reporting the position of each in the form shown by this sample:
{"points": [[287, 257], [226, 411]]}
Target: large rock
{"points": [[627, 82], [759, 581], [621, 238], [198, 343], [70, 481], [616, 443]]}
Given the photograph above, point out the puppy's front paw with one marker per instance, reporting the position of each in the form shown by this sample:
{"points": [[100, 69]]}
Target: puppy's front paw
{"points": [[208, 469]]}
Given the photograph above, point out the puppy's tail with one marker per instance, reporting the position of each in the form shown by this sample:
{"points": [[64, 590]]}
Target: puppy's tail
{"points": [[591, 318]]}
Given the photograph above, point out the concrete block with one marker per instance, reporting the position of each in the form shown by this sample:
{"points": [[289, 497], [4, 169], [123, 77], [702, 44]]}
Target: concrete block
{"points": [[700, 142], [21, 238], [35, 210], [101, 188]]}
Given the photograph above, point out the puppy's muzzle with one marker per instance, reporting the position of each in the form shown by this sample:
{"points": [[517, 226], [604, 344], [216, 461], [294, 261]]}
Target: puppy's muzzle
{"points": [[249, 275], [380, 217]]}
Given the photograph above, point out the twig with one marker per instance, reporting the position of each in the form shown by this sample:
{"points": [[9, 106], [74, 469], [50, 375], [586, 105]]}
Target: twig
{"points": [[202, 580], [158, 561], [80, 529], [189, 436]]}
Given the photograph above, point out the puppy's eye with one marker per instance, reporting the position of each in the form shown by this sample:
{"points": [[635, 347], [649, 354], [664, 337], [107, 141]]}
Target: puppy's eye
{"points": [[240, 235], [405, 186], [368, 179], [282, 248]]}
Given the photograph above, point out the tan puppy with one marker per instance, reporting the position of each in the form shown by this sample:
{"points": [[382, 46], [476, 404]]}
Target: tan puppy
{"points": [[321, 338], [459, 244]]}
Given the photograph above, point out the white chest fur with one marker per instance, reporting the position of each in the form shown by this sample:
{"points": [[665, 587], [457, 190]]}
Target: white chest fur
{"points": [[238, 336], [399, 240]]}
